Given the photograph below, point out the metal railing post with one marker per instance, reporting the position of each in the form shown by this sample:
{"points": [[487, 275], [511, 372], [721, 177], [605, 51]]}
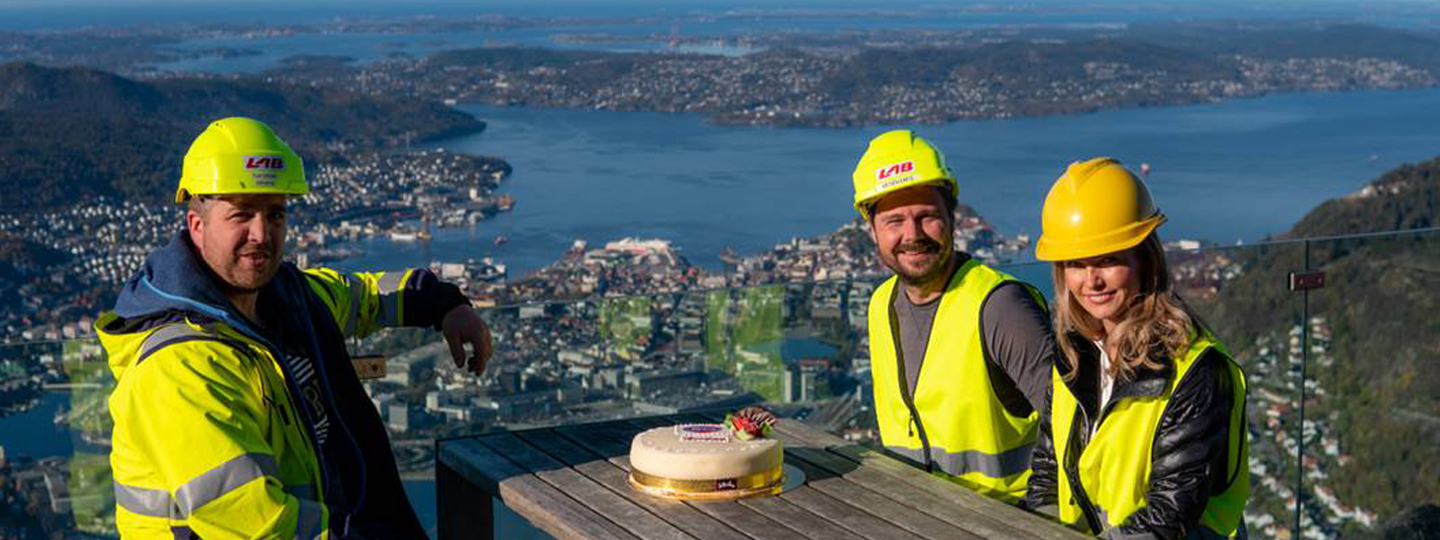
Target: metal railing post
{"points": [[1303, 282]]}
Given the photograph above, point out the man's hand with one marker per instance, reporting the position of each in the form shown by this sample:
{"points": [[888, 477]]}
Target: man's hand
{"points": [[460, 326]]}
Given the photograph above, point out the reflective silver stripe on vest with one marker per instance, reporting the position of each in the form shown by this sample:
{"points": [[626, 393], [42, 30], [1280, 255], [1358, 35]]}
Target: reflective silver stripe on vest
{"points": [[357, 290], [205, 488], [1114, 533], [223, 479], [145, 501], [391, 281], [309, 524], [1008, 463], [390, 297], [166, 334]]}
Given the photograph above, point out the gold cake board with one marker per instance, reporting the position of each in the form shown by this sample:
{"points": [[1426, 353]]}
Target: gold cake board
{"points": [[773, 482]]}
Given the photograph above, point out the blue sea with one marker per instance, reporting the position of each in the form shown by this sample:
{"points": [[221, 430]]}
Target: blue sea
{"points": [[1237, 171]]}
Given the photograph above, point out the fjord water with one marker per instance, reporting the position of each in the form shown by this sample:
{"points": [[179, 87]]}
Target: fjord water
{"points": [[1240, 170]]}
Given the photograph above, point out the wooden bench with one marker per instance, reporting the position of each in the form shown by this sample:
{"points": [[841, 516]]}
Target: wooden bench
{"points": [[570, 482]]}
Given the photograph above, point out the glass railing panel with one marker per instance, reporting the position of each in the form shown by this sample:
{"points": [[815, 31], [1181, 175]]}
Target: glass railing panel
{"points": [[1370, 433], [1240, 293], [55, 447], [1372, 407], [794, 347]]}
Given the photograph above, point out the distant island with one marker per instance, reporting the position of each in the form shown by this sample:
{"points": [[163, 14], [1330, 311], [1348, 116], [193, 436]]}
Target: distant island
{"points": [[939, 77], [816, 78]]}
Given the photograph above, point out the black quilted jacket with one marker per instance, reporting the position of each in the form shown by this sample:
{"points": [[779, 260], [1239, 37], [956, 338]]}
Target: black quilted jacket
{"points": [[1190, 451]]}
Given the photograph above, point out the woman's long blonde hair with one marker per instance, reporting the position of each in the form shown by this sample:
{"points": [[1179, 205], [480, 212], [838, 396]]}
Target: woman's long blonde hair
{"points": [[1157, 322]]}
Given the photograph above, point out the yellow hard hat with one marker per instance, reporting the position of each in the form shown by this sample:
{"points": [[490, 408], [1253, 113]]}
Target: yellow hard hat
{"points": [[894, 161], [240, 155], [1096, 207]]}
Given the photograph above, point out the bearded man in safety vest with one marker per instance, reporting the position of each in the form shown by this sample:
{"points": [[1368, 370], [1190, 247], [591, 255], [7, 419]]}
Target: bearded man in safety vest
{"points": [[237, 411], [960, 353]]}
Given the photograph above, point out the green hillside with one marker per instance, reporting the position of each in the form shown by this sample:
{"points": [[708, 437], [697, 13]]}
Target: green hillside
{"points": [[1378, 390], [75, 132]]}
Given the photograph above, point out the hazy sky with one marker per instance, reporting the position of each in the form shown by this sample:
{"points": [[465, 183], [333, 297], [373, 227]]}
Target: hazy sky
{"points": [[25, 15], [391, 5]]}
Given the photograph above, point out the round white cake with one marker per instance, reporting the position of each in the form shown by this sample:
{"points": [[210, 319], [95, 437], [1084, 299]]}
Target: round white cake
{"points": [[703, 461]]}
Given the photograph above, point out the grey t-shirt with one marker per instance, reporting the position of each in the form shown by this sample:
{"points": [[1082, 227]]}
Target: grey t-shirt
{"points": [[1016, 336], [915, 322]]}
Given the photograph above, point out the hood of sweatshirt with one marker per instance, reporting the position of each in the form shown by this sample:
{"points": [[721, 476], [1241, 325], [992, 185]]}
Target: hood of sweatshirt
{"points": [[173, 285]]}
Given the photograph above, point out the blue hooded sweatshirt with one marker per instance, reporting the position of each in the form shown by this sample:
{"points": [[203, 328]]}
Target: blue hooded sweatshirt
{"points": [[362, 484]]}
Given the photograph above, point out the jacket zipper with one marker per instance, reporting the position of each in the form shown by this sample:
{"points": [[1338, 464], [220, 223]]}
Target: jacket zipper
{"points": [[1072, 459], [304, 412], [277, 359]]}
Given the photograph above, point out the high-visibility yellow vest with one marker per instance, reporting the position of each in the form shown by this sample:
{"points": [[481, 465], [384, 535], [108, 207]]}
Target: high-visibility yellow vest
{"points": [[207, 436], [955, 424], [208, 379], [1114, 468]]}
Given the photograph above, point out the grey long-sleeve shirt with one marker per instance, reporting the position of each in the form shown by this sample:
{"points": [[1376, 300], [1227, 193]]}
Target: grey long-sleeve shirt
{"points": [[1016, 333]]}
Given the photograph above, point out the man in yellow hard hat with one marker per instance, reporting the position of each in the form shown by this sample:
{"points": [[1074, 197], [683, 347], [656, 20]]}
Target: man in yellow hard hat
{"points": [[237, 412], [960, 353]]}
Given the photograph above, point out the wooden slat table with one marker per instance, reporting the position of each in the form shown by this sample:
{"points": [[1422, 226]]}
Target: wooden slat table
{"points": [[570, 482]]}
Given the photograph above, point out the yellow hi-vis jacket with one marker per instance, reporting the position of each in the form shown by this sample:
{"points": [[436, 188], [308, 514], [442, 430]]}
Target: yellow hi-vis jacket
{"points": [[1114, 466], [954, 425], [207, 439]]}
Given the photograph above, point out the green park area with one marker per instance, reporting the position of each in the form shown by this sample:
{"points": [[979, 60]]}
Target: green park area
{"points": [[90, 385], [762, 316], [741, 336], [92, 494], [732, 324], [626, 324], [717, 331]]}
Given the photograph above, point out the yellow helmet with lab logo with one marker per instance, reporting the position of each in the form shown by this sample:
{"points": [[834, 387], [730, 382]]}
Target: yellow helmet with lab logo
{"points": [[240, 156], [894, 161], [1097, 207]]}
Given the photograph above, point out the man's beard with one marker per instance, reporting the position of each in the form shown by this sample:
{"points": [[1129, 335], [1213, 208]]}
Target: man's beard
{"points": [[242, 279], [927, 275]]}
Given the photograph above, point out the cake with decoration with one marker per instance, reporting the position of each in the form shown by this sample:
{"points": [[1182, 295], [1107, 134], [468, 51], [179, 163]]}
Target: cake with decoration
{"points": [[733, 459]]}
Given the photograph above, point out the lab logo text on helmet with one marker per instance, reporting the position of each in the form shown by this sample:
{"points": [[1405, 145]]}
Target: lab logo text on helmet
{"points": [[892, 170], [264, 162]]}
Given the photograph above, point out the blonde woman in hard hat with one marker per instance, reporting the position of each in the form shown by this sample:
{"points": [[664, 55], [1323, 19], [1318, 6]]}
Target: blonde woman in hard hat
{"points": [[1145, 432]]}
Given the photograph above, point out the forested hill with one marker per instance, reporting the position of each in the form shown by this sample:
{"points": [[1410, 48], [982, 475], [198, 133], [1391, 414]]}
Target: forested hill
{"points": [[76, 132], [1379, 302], [1407, 197], [1279, 41], [1033, 67], [1371, 274]]}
